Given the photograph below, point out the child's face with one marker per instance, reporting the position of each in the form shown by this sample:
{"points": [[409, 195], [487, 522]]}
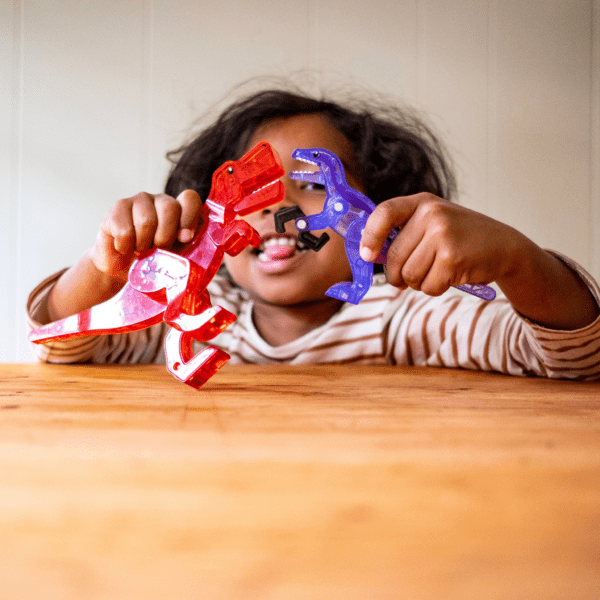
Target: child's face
{"points": [[283, 274]]}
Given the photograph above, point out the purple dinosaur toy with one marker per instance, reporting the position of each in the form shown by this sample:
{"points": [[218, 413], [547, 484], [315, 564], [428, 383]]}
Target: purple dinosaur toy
{"points": [[346, 211]]}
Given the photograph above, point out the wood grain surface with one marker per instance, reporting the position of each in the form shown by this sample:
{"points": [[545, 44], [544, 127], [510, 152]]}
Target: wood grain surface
{"points": [[297, 483]]}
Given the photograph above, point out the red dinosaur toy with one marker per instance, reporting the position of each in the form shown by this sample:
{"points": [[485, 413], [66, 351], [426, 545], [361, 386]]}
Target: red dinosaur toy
{"points": [[172, 287]]}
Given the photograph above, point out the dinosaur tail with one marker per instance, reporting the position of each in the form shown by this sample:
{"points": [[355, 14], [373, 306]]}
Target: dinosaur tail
{"points": [[129, 310]]}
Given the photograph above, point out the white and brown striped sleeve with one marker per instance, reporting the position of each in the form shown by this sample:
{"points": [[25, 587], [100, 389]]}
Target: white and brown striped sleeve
{"points": [[569, 354], [462, 331], [136, 347]]}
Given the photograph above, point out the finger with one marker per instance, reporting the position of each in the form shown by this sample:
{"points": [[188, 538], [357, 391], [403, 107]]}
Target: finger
{"points": [[104, 250], [109, 261], [191, 212], [117, 229], [438, 279], [145, 221], [416, 266], [168, 212], [394, 212], [404, 245]]}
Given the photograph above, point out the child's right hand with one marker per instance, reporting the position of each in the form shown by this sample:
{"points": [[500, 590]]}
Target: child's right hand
{"points": [[140, 223]]}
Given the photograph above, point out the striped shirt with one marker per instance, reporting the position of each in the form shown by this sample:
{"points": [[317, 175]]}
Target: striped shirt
{"points": [[388, 327]]}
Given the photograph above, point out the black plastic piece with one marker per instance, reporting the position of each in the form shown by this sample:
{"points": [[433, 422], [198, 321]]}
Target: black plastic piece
{"points": [[291, 213]]}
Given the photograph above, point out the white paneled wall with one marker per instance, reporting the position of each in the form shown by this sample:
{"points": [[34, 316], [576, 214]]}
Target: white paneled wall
{"points": [[94, 93]]}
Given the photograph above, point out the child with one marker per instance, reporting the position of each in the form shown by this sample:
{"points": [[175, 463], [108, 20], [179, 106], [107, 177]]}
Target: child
{"points": [[548, 324]]}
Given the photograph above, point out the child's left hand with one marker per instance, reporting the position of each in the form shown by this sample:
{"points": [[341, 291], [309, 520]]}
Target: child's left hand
{"points": [[442, 244]]}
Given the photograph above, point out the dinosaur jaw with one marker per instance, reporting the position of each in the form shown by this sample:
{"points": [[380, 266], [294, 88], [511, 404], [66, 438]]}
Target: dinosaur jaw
{"points": [[312, 156], [259, 171], [269, 194], [312, 176], [309, 176]]}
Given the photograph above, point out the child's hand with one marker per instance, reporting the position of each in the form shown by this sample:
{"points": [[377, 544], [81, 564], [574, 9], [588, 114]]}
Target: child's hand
{"points": [[440, 244], [140, 223], [132, 226]]}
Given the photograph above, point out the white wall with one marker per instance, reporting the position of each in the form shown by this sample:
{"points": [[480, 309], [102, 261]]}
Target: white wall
{"points": [[94, 93]]}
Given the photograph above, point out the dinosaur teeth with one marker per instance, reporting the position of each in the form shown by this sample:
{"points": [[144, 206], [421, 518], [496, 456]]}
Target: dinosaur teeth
{"points": [[299, 174], [306, 160], [265, 186]]}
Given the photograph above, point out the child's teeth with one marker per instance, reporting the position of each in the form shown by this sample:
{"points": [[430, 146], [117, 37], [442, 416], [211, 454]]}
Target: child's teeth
{"points": [[277, 248], [280, 242]]}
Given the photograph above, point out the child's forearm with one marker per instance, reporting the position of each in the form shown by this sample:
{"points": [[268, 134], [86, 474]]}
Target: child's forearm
{"points": [[545, 290], [78, 288]]}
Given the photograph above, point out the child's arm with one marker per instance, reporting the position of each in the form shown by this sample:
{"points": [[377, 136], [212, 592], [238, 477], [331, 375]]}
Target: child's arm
{"points": [[132, 226], [442, 244]]}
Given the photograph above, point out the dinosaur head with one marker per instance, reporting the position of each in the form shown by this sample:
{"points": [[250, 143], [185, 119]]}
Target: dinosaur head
{"points": [[331, 174], [243, 186], [330, 170]]}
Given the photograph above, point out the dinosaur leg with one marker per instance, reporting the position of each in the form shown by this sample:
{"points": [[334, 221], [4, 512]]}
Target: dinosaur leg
{"points": [[195, 370], [209, 322], [206, 325], [362, 271], [238, 235]]}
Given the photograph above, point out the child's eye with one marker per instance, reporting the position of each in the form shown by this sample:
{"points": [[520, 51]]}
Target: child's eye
{"points": [[314, 187]]}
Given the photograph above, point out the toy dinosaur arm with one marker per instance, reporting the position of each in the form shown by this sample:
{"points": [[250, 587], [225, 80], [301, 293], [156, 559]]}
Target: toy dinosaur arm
{"points": [[317, 221], [234, 237]]}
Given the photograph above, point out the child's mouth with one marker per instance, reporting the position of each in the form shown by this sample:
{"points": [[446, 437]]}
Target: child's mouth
{"points": [[278, 252]]}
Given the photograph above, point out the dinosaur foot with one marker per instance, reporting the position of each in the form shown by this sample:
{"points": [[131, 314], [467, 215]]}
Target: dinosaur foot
{"points": [[347, 292], [195, 370]]}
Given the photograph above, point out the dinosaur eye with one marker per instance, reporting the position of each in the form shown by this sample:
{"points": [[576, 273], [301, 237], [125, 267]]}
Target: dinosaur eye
{"points": [[230, 170], [315, 154]]}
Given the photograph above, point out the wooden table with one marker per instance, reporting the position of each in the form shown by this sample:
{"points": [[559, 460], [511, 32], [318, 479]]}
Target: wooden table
{"points": [[297, 483]]}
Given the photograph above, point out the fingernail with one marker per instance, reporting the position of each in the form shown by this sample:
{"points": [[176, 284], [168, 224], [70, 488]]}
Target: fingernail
{"points": [[367, 254], [186, 235]]}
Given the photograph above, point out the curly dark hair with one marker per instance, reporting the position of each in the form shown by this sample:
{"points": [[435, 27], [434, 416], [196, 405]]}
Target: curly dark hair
{"points": [[394, 152]]}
